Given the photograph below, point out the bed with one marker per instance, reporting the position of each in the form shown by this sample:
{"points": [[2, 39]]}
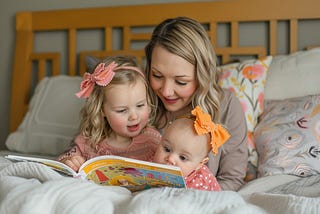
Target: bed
{"points": [[281, 102]]}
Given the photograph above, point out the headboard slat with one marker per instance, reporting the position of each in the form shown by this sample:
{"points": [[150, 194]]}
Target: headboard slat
{"points": [[108, 38], [72, 52], [273, 28], [213, 33], [293, 35], [234, 34], [227, 52], [140, 36], [126, 38], [41, 69]]}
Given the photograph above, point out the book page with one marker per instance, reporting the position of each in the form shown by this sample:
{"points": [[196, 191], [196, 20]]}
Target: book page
{"points": [[133, 174], [55, 165]]}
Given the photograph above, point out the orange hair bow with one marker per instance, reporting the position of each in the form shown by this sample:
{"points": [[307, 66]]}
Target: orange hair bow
{"points": [[203, 125], [101, 76]]}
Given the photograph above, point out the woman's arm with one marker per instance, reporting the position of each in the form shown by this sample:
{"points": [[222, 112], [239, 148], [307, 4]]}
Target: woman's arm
{"points": [[230, 163]]}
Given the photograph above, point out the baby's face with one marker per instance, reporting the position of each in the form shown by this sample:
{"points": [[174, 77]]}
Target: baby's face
{"points": [[182, 147]]}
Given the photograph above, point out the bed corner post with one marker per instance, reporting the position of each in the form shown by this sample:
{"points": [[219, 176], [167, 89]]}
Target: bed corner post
{"points": [[21, 77]]}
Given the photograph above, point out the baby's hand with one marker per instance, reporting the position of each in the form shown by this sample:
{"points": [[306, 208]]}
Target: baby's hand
{"points": [[74, 162]]}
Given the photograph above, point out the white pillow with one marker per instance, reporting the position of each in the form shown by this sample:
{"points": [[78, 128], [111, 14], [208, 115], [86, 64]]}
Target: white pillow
{"points": [[293, 75], [52, 119]]}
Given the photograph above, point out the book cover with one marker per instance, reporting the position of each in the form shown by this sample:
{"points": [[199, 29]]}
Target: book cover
{"points": [[53, 164], [118, 171]]}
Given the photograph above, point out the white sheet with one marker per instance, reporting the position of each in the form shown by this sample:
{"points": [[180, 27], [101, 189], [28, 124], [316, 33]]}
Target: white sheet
{"points": [[34, 188], [284, 194]]}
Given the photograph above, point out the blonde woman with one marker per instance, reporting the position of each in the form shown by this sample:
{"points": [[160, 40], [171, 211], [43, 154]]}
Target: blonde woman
{"points": [[181, 70]]}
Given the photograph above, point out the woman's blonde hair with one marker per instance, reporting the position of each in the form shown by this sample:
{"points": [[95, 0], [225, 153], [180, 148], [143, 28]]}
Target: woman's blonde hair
{"points": [[188, 39], [94, 125]]}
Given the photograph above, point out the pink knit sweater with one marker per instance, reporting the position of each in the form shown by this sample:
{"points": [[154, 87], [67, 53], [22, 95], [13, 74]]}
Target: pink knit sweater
{"points": [[142, 147]]}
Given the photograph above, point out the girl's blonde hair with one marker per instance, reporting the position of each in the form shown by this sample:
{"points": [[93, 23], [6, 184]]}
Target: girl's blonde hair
{"points": [[188, 39], [94, 125]]}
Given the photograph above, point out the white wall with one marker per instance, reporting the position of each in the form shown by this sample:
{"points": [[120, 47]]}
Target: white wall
{"points": [[8, 8]]}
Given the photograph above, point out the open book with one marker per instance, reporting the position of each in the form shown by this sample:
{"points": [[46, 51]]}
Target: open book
{"points": [[117, 171]]}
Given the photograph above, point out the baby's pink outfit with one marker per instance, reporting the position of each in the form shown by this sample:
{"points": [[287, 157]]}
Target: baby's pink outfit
{"points": [[202, 179], [142, 147]]}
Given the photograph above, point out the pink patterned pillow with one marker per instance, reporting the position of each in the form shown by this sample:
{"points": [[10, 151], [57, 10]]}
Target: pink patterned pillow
{"points": [[247, 80]]}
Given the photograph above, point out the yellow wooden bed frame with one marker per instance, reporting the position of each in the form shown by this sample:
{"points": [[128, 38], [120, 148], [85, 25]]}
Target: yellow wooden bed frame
{"points": [[211, 14]]}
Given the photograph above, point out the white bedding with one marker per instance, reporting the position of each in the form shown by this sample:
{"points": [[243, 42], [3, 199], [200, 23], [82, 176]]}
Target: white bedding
{"points": [[34, 188], [284, 194]]}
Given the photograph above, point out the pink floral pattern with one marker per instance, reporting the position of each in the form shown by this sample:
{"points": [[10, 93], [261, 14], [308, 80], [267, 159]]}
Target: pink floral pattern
{"points": [[247, 80]]}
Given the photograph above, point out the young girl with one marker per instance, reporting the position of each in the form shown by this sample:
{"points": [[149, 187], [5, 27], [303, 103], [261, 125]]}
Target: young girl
{"points": [[116, 114], [186, 144]]}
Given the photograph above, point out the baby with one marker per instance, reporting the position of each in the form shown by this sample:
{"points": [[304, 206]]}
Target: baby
{"points": [[186, 144]]}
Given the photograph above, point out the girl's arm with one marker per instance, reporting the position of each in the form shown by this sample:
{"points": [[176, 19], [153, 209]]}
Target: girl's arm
{"points": [[73, 156]]}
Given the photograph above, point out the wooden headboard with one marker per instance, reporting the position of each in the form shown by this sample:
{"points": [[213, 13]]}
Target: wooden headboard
{"points": [[232, 13]]}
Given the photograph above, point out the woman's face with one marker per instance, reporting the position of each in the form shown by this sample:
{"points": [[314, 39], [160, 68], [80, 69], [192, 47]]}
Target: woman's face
{"points": [[172, 78]]}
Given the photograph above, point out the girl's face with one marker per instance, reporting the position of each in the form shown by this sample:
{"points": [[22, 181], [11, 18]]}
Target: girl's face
{"points": [[172, 78], [126, 108], [182, 147]]}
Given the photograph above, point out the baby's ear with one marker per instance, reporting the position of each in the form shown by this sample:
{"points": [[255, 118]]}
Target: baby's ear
{"points": [[91, 62]]}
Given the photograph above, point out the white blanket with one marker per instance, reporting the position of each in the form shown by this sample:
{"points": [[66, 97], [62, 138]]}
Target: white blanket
{"points": [[35, 188]]}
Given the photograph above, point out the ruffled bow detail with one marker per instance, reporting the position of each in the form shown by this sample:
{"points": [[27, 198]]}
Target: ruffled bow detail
{"points": [[204, 125], [101, 76]]}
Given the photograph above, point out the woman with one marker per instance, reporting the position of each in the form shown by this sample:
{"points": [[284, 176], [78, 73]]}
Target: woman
{"points": [[181, 70]]}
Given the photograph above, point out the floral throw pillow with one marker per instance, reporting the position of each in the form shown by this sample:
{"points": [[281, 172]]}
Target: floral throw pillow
{"points": [[247, 80], [288, 137]]}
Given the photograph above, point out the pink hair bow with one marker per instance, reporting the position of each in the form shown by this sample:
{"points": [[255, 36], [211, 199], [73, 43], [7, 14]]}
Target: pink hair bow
{"points": [[101, 76]]}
